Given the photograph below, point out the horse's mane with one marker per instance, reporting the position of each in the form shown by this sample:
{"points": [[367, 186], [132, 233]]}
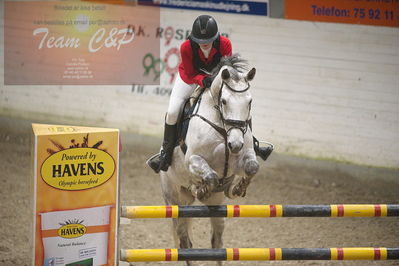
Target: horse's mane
{"points": [[237, 64]]}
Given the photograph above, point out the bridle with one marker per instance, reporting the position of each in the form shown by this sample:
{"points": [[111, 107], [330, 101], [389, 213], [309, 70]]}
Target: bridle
{"points": [[242, 125]]}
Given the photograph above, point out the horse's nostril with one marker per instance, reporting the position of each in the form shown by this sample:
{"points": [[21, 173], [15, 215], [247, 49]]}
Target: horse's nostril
{"points": [[230, 146]]}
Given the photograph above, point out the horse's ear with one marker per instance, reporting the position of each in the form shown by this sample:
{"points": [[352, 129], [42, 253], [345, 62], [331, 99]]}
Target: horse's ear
{"points": [[225, 74], [251, 74]]}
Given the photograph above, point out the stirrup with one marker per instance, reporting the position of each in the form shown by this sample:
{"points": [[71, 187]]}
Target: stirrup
{"points": [[264, 152], [152, 164]]}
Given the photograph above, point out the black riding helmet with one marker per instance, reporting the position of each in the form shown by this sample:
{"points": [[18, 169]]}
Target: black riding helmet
{"points": [[205, 29]]}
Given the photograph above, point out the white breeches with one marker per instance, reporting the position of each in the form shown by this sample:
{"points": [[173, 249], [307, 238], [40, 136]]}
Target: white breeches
{"points": [[180, 93]]}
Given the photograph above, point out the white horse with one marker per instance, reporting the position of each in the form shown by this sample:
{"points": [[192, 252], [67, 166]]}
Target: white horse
{"points": [[220, 155]]}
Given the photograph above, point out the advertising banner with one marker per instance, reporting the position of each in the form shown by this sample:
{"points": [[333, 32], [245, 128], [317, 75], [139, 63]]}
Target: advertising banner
{"points": [[75, 195], [381, 13], [78, 43], [237, 7]]}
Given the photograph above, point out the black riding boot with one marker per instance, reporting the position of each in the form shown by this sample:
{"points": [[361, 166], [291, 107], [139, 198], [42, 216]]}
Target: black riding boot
{"points": [[262, 152], [164, 158]]}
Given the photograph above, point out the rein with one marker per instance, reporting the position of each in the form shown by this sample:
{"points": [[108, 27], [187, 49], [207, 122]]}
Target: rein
{"points": [[239, 124]]}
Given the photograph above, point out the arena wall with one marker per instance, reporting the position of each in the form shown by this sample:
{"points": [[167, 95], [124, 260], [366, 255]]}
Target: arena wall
{"points": [[322, 90]]}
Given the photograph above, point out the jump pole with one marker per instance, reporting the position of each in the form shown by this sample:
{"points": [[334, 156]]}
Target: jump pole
{"points": [[259, 254], [231, 211]]}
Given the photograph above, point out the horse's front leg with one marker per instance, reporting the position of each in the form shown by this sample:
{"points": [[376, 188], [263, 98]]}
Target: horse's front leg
{"points": [[241, 182], [251, 165], [208, 178], [175, 194]]}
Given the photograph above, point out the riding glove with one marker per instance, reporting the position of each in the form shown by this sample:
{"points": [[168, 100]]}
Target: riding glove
{"points": [[207, 81]]}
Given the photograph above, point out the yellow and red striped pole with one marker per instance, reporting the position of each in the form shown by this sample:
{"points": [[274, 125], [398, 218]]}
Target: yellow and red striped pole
{"points": [[260, 254], [334, 210]]}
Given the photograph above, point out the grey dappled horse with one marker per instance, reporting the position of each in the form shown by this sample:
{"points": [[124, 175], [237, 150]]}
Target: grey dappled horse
{"points": [[220, 159]]}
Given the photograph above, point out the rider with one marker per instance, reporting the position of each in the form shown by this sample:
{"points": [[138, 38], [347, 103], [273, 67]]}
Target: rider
{"points": [[203, 50]]}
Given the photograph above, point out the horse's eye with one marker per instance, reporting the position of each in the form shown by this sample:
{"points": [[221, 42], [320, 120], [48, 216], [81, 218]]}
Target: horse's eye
{"points": [[224, 101]]}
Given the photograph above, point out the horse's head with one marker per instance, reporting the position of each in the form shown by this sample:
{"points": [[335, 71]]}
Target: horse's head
{"points": [[230, 90]]}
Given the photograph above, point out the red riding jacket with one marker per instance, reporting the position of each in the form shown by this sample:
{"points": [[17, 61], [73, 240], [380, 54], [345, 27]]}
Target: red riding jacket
{"points": [[187, 68]]}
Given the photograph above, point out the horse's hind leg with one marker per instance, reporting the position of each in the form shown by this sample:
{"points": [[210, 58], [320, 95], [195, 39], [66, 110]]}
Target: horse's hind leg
{"points": [[182, 227], [176, 195], [217, 223]]}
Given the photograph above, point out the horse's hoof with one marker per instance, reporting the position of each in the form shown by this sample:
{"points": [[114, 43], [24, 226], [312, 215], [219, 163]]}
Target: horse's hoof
{"points": [[228, 192], [240, 189], [203, 193], [251, 167], [234, 191]]}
